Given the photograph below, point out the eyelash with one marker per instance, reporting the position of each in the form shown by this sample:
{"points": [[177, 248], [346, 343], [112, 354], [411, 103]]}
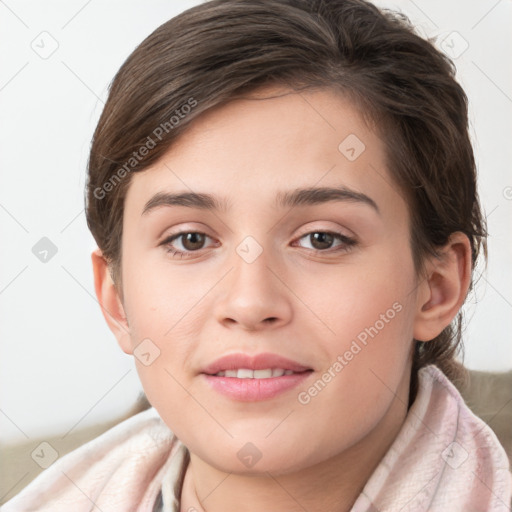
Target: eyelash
{"points": [[348, 243]]}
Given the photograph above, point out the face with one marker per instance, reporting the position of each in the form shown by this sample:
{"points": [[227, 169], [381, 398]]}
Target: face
{"points": [[323, 279]]}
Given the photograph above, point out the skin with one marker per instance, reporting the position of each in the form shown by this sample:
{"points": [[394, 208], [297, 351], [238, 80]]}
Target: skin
{"points": [[316, 456]]}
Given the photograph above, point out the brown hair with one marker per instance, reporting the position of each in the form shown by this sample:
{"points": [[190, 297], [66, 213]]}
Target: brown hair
{"points": [[220, 49]]}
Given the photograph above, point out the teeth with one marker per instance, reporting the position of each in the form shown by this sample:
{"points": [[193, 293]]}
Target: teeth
{"points": [[245, 373], [262, 374]]}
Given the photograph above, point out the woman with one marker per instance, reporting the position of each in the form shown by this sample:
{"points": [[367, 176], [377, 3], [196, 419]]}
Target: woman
{"points": [[284, 198]]}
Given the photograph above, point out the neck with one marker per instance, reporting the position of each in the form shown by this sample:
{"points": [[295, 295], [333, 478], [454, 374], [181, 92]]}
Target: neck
{"points": [[333, 484]]}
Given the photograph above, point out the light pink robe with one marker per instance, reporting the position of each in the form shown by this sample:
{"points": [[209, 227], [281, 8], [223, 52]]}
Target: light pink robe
{"points": [[444, 459]]}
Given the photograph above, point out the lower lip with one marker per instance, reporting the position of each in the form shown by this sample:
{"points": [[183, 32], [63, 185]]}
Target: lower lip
{"points": [[253, 390]]}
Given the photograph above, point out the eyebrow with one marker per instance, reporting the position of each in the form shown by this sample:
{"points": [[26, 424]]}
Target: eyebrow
{"points": [[288, 199]]}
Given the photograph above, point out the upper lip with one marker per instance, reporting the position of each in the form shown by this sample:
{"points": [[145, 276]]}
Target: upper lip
{"points": [[252, 362]]}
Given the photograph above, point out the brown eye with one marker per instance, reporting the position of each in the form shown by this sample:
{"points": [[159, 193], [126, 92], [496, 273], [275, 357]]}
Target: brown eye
{"points": [[192, 241], [322, 241]]}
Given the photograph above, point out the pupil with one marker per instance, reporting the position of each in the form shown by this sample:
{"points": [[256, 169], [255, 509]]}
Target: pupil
{"points": [[193, 237], [324, 239]]}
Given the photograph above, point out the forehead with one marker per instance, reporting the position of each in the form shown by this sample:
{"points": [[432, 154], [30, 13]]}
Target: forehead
{"points": [[250, 150]]}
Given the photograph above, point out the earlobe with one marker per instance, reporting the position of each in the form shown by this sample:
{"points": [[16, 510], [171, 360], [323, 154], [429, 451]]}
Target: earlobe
{"points": [[442, 294], [111, 305]]}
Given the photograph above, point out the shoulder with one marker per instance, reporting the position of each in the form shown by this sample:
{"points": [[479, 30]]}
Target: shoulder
{"points": [[466, 406], [469, 442], [443, 458], [444, 399], [117, 469]]}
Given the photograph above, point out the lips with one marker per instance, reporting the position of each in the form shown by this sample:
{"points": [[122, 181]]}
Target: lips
{"points": [[264, 361], [247, 378]]}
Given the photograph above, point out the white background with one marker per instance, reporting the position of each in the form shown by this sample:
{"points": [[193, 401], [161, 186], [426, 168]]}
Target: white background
{"points": [[60, 366]]}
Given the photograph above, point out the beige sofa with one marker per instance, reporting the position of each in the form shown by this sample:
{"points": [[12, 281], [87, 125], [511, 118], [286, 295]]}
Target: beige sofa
{"points": [[488, 394]]}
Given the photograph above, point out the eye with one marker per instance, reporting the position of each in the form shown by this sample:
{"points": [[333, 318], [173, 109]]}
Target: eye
{"points": [[191, 241], [323, 240]]}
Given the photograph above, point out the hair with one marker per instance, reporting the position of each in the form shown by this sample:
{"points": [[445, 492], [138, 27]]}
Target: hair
{"points": [[221, 49]]}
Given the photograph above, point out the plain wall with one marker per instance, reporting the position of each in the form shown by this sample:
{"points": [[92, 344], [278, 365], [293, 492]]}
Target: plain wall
{"points": [[60, 367]]}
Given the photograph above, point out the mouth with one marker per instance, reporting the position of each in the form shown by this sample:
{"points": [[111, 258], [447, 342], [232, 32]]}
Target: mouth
{"points": [[263, 365], [247, 373], [247, 378]]}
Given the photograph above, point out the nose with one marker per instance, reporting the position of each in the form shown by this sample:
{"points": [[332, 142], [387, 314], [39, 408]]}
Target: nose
{"points": [[254, 296]]}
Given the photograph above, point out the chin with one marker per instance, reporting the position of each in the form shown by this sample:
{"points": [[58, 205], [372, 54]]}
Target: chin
{"points": [[248, 459]]}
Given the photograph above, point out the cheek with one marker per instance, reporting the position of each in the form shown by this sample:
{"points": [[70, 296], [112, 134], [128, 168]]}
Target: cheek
{"points": [[370, 313], [374, 338], [161, 297], [164, 328], [359, 301]]}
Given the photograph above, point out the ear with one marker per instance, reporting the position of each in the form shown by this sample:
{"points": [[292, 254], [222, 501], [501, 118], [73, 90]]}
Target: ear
{"points": [[442, 293], [111, 305]]}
